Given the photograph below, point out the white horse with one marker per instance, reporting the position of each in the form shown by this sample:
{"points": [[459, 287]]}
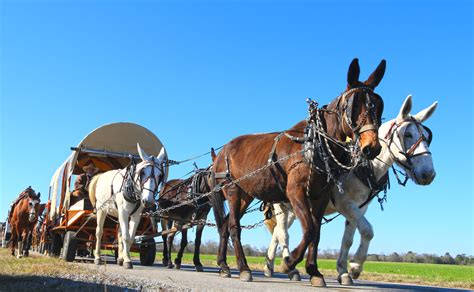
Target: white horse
{"points": [[405, 142], [123, 194]]}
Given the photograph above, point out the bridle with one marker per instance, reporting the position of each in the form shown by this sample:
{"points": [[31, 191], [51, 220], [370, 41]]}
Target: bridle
{"points": [[133, 185], [157, 182], [347, 99], [32, 203], [409, 153]]}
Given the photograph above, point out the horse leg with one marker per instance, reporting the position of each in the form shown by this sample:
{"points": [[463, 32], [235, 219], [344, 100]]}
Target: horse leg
{"points": [[164, 226], [20, 245], [222, 253], [297, 197], [366, 234], [184, 243], [98, 235], [27, 243], [120, 248], [132, 229], [236, 205], [280, 218], [13, 240], [318, 207], [343, 275], [294, 275], [170, 240], [197, 248]]}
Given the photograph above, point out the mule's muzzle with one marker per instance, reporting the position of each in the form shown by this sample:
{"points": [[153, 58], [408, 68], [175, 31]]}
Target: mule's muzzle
{"points": [[147, 203], [370, 152], [425, 178]]}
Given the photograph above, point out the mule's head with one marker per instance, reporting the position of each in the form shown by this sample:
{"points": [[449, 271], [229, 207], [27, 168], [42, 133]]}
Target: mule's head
{"points": [[362, 109], [149, 174], [33, 203], [409, 140]]}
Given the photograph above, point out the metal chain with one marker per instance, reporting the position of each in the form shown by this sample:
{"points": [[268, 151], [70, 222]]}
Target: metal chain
{"points": [[233, 182]]}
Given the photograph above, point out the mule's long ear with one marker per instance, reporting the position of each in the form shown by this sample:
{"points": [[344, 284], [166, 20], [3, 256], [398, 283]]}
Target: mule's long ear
{"points": [[353, 73], [426, 113], [162, 155], [142, 153], [213, 155], [377, 75], [405, 109]]}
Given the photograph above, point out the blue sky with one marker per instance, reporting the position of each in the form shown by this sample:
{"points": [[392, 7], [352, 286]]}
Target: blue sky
{"points": [[198, 73]]}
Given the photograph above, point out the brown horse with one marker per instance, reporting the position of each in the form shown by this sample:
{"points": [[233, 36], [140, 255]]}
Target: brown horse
{"points": [[23, 219], [312, 165], [174, 192]]}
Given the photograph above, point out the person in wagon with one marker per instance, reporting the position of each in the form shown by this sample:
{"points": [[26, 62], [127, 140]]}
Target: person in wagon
{"points": [[81, 185]]}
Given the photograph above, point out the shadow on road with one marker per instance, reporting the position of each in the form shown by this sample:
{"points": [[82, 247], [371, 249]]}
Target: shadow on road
{"points": [[45, 283]]}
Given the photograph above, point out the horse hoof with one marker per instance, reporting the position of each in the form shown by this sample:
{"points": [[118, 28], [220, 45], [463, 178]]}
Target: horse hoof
{"points": [[128, 265], [224, 273], [318, 281], [294, 275], [246, 276], [170, 266], [120, 262], [268, 272], [97, 262], [354, 270], [199, 269], [285, 266], [165, 263], [19, 256], [345, 279], [177, 266]]}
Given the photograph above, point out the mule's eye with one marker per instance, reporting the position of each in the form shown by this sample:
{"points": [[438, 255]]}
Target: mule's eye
{"points": [[408, 135]]}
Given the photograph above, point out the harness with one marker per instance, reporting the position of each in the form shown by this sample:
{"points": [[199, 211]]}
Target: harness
{"points": [[410, 153], [132, 188], [316, 141], [365, 173]]}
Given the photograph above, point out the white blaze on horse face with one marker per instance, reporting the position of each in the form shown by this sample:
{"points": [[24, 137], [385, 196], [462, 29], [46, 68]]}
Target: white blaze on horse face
{"points": [[32, 213]]}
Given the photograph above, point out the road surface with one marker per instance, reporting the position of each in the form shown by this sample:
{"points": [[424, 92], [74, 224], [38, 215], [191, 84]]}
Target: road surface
{"points": [[187, 278]]}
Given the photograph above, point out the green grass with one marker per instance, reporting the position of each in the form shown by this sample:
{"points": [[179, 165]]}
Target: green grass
{"points": [[425, 274]]}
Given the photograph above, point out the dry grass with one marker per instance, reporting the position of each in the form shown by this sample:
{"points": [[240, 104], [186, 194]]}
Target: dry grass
{"points": [[36, 265]]}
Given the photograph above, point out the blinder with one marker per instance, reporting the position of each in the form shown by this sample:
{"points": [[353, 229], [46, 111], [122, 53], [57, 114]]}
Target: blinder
{"points": [[348, 111]]}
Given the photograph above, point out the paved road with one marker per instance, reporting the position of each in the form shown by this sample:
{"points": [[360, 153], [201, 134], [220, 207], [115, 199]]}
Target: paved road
{"points": [[210, 280]]}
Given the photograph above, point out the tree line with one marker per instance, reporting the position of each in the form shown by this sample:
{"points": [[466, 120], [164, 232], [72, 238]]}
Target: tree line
{"points": [[211, 247]]}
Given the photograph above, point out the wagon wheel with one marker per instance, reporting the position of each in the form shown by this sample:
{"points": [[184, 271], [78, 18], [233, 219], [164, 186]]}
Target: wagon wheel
{"points": [[56, 245], [147, 252], [69, 247]]}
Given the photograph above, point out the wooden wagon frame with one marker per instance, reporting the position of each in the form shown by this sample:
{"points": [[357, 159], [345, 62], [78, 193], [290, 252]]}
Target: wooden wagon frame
{"points": [[68, 229]]}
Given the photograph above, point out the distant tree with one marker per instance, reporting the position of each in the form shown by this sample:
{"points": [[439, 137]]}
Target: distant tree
{"points": [[409, 257], [448, 259], [394, 257]]}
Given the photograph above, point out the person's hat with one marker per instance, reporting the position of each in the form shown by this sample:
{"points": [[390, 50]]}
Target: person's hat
{"points": [[89, 166]]}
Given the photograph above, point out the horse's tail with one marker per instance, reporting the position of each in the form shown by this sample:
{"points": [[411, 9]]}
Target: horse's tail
{"points": [[270, 224], [217, 202], [92, 189]]}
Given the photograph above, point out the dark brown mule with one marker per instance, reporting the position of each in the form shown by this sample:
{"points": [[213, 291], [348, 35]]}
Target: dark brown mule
{"points": [[23, 219], [354, 115], [177, 191]]}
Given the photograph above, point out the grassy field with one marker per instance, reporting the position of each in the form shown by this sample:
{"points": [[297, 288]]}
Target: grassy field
{"points": [[423, 274]]}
